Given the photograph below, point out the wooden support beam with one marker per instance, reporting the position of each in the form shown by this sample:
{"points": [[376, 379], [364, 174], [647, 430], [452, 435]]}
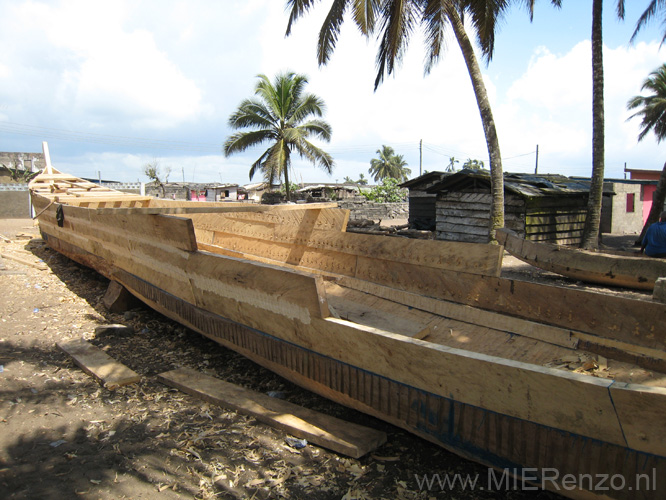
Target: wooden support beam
{"points": [[323, 430], [659, 292], [117, 299], [100, 365]]}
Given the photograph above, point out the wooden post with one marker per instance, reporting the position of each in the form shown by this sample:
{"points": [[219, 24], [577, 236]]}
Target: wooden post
{"points": [[117, 299], [659, 292]]}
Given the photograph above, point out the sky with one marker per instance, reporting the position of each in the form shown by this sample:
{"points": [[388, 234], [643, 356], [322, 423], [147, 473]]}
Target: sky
{"points": [[114, 85]]}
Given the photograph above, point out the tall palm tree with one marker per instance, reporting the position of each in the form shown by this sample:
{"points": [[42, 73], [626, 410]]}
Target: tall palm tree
{"points": [[590, 237], [281, 114], [389, 165], [396, 20], [451, 167], [652, 110]]}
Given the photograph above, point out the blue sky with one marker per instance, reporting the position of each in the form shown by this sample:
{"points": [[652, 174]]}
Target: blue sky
{"points": [[114, 85]]}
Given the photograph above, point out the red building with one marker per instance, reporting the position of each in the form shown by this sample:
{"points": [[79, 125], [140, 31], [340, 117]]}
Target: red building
{"points": [[647, 190]]}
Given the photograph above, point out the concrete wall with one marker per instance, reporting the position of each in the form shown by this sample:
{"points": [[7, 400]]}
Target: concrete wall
{"points": [[360, 208], [622, 221], [14, 204]]}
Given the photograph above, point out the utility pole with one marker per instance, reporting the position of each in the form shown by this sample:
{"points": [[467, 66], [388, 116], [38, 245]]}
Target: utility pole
{"points": [[536, 165], [421, 157], [183, 170]]}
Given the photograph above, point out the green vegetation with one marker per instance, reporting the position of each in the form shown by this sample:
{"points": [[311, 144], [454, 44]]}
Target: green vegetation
{"points": [[387, 192]]}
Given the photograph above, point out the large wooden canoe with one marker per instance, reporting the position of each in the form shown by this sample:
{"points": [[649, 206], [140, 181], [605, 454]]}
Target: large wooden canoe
{"points": [[620, 269], [423, 334]]}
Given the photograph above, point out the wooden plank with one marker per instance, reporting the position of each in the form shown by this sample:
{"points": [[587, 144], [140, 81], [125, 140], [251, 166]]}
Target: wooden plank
{"points": [[555, 398], [243, 290], [323, 430], [37, 265], [74, 200], [97, 363], [597, 267], [173, 231], [641, 411], [298, 245], [468, 314], [204, 207]]}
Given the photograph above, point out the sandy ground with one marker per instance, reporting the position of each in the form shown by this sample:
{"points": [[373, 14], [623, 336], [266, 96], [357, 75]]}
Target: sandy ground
{"points": [[63, 436]]}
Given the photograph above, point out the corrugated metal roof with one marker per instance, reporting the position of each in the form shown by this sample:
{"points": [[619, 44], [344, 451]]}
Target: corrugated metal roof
{"points": [[526, 185]]}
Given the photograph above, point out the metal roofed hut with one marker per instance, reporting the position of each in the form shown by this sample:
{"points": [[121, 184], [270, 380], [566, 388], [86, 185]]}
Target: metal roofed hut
{"points": [[546, 207]]}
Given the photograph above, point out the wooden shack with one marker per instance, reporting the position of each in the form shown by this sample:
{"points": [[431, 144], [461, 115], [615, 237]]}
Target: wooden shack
{"points": [[421, 202], [545, 207]]}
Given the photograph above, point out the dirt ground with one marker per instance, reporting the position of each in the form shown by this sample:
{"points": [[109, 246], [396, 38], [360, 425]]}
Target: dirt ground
{"points": [[63, 436]]}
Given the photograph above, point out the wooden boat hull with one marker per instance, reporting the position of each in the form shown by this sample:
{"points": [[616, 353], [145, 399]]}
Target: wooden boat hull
{"points": [[514, 448], [521, 419], [629, 271]]}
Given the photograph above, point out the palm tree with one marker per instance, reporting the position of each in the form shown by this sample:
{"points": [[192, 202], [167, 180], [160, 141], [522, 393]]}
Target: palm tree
{"points": [[590, 238], [451, 167], [396, 20], [281, 115], [654, 8], [389, 165], [652, 109], [473, 164]]}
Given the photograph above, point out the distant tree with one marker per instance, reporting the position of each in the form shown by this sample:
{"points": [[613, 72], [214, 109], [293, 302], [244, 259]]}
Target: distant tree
{"points": [[281, 115], [389, 165], [473, 164], [451, 167], [652, 109], [362, 181], [154, 172]]}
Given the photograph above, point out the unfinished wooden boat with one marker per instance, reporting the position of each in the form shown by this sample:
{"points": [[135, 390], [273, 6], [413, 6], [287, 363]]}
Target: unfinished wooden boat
{"points": [[621, 269], [423, 334]]}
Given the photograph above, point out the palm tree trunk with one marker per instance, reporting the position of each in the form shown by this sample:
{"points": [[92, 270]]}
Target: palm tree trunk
{"points": [[657, 205], [492, 142], [590, 238], [286, 182]]}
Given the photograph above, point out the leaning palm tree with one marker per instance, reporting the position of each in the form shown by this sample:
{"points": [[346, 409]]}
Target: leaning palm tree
{"points": [[396, 20], [389, 165], [652, 110], [280, 115]]}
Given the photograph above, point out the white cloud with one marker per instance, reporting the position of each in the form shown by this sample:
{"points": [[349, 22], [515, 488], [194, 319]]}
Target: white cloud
{"points": [[95, 68], [551, 105]]}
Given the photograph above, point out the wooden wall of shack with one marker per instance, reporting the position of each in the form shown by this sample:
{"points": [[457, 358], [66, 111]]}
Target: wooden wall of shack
{"points": [[422, 204], [545, 211]]}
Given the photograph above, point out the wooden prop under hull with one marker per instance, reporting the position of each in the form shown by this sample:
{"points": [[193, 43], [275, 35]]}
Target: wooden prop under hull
{"points": [[629, 271]]}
